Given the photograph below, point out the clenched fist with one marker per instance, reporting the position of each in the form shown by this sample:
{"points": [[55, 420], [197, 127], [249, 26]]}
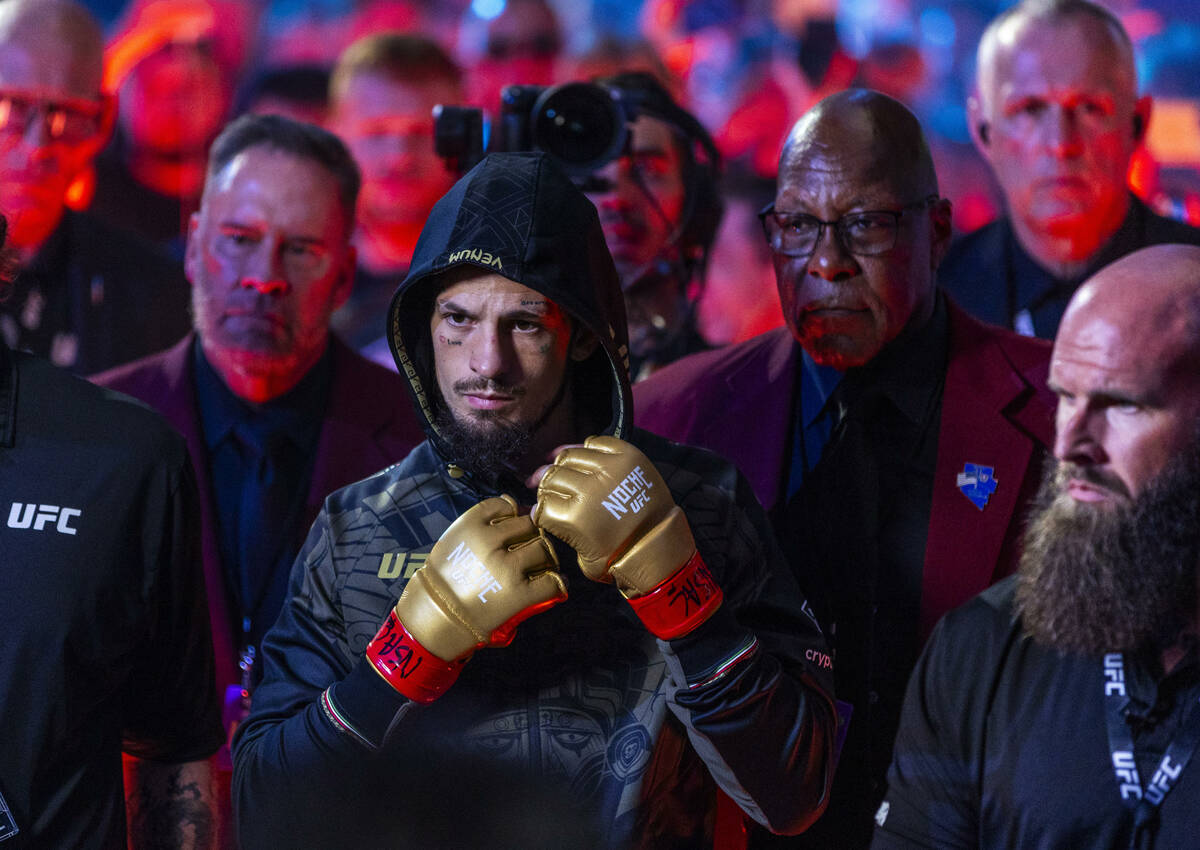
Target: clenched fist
{"points": [[489, 571], [607, 501]]}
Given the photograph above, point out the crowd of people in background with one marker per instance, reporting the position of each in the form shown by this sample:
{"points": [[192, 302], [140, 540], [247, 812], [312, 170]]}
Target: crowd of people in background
{"points": [[924, 274], [180, 69]]}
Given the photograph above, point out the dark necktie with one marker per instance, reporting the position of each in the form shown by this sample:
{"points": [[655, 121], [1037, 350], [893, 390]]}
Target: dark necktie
{"points": [[832, 522], [263, 517], [833, 526]]}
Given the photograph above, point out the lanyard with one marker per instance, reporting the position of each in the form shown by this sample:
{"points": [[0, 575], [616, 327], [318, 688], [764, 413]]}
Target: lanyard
{"points": [[1143, 800]]}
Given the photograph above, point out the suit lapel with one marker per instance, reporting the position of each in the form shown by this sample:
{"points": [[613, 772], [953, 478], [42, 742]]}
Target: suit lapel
{"points": [[757, 402], [965, 543], [179, 408]]}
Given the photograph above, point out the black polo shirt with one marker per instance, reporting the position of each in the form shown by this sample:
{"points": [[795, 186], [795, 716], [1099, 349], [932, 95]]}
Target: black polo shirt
{"points": [[1003, 742], [104, 643]]}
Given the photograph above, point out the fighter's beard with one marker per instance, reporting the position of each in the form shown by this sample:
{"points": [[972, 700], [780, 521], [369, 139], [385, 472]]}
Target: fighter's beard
{"points": [[489, 446], [1113, 579], [492, 447]]}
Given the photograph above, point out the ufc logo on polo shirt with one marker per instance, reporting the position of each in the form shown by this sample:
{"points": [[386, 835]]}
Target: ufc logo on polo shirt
{"points": [[38, 517]]}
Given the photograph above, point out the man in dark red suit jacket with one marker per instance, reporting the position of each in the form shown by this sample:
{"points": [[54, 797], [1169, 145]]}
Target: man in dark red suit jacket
{"points": [[277, 412], [367, 425], [893, 439]]}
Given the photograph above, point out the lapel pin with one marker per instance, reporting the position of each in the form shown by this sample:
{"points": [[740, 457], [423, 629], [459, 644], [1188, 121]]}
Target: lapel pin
{"points": [[977, 483]]}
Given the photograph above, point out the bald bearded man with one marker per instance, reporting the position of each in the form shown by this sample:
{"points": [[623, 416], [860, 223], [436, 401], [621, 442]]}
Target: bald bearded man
{"points": [[1059, 708], [892, 438]]}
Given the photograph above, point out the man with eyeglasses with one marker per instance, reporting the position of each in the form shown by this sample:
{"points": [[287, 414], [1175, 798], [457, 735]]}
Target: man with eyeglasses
{"points": [[86, 296], [893, 439]]}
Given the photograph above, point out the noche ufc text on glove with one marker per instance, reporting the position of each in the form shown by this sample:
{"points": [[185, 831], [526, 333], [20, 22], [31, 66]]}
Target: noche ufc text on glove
{"points": [[608, 502], [489, 571]]}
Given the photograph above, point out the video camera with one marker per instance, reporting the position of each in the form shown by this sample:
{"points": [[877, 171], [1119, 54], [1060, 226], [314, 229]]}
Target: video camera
{"points": [[585, 126], [582, 125]]}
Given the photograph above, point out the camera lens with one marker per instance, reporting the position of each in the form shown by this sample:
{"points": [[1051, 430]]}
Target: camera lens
{"points": [[579, 124]]}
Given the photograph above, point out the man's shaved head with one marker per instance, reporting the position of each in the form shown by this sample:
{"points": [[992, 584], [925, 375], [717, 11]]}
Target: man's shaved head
{"points": [[887, 135], [1056, 114], [1004, 33], [64, 25], [1126, 367], [1111, 554], [1149, 303]]}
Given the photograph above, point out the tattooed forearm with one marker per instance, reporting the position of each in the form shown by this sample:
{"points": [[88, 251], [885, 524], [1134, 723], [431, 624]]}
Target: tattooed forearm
{"points": [[171, 806]]}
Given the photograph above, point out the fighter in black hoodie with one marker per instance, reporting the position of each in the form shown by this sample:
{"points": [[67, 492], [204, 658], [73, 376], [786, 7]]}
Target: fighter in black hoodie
{"points": [[585, 706]]}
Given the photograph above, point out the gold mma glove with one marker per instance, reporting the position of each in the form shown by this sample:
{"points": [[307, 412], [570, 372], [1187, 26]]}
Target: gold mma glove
{"points": [[608, 502], [489, 571]]}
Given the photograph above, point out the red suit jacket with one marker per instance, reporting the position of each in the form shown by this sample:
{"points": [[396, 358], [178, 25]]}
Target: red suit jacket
{"points": [[369, 424], [996, 411]]}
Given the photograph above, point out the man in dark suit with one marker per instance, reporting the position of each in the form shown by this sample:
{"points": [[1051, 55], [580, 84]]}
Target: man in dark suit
{"points": [[1056, 114], [276, 411], [892, 438]]}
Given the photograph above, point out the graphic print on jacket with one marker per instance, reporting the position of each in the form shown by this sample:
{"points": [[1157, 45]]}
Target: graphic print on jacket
{"points": [[638, 731], [580, 696]]}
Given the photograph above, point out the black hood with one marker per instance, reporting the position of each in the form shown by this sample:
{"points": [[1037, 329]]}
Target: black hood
{"points": [[520, 216]]}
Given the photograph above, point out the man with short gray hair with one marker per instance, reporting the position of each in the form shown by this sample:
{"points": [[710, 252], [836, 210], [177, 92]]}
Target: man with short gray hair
{"points": [[277, 412]]}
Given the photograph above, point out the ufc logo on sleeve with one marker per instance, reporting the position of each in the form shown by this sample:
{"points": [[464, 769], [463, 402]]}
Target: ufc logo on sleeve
{"points": [[629, 495], [38, 517]]}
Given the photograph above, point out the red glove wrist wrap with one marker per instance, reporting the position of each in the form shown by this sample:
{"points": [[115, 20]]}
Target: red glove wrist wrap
{"points": [[681, 602], [409, 667]]}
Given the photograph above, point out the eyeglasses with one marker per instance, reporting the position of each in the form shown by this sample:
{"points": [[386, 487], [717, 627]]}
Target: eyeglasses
{"points": [[863, 233], [61, 121]]}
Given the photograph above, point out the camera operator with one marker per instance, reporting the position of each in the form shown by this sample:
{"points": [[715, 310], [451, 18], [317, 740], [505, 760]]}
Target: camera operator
{"points": [[651, 170], [660, 209]]}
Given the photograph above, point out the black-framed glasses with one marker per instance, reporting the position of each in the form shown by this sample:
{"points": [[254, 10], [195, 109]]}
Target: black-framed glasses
{"points": [[73, 120], [863, 233]]}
